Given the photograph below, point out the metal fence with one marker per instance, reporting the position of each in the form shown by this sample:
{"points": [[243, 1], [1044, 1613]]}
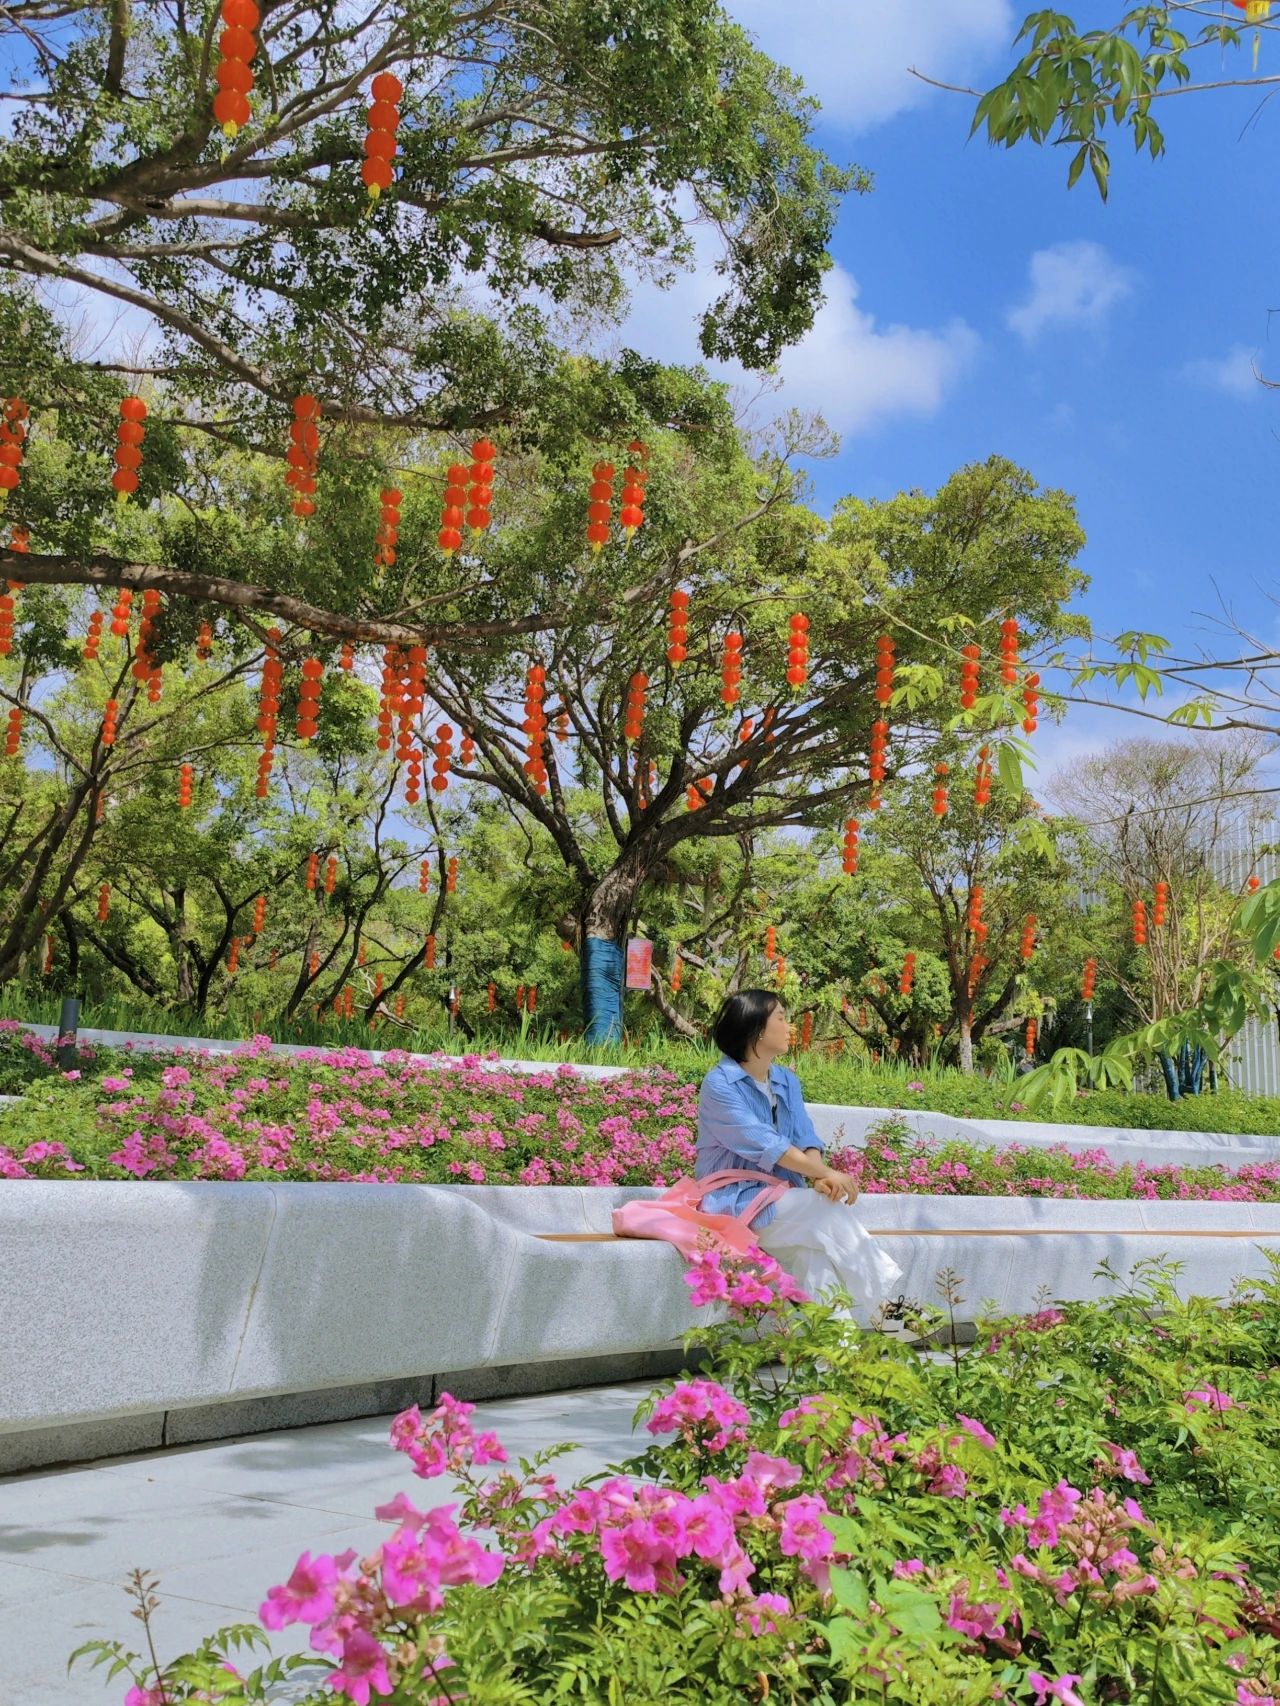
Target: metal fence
{"points": [[1252, 1059]]}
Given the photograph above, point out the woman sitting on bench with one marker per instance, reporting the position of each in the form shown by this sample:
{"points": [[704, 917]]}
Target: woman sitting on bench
{"points": [[751, 1114]]}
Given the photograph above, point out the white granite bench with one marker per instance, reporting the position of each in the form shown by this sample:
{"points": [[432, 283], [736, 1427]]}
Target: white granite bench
{"points": [[135, 1314]]}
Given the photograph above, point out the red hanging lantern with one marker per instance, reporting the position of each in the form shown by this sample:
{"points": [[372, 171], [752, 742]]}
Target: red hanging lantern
{"points": [[1009, 651], [13, 438], [110, 717], [443, 758], [493, 997], [13, 736], [467, 755], [850, 857], [204, 642], [982, 779], [562, 726], [451, 876], [1088, 980], [677, 975], [973, 916], [259, 914], [771, 943], [1029, 1037], [600, 508], [1139, 923], [308, 725], [6, 624], [129, 438], [1160, 907], [885, 650], [699, 793], [637, 690], [780, 970], [348, 659], [269, 709], [634, 480], [104, 903], [531, 999], [798, 651], [303, 453], [908, 977], [429, 954], [424, 876], [455, 504], [678, 627], [1027, 946], [313, 871], [969, 670], [233, 956], [388, 535], [143, 664], [120, 612], [331, 873], [940, 797], [1254, 884], [480, 491], [380, 145], [1030, 704], [93, 639], [237, 46], [731, 669], [876, 761], [535, 727]]}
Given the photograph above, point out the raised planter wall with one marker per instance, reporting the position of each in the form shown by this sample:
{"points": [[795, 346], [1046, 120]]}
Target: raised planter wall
{"points": [[138, 1314]]}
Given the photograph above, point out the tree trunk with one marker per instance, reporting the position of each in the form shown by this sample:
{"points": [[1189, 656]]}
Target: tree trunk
{"points": [[605, 914], [964, 1031]]}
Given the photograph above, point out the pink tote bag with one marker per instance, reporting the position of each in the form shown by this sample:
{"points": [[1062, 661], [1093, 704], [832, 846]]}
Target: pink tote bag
{"points": [[676, 1218]]}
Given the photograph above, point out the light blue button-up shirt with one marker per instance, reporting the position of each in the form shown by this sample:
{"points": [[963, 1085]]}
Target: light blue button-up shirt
{"points": [[736, 1129]]}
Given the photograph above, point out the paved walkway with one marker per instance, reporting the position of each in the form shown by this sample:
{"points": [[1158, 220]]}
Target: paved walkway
{"points": [[219, 1524]]}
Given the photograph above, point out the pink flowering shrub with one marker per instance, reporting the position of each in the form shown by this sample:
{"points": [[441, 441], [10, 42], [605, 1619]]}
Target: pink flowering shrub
{"points": [[1082, 1509], [338, 1115]]}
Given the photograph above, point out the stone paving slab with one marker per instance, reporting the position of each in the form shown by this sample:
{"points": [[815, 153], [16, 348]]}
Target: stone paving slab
{"points": [[220, 1524]]}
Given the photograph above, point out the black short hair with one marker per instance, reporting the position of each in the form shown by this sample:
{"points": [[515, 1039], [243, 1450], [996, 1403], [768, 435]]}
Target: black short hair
{"points": [[740, 1021]]}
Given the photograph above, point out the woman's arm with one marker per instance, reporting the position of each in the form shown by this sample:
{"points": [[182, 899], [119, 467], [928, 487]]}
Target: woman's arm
{"points": [[810, 1165]]}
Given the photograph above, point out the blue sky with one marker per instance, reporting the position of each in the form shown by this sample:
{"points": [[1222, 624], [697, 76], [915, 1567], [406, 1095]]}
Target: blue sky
{"points": [[1105, 348]]}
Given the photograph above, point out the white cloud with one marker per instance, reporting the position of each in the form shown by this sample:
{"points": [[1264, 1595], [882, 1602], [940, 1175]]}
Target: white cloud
{"points": [[858, 373], [853, 370], [1236, 372], [1071, 284], [856, 55]]}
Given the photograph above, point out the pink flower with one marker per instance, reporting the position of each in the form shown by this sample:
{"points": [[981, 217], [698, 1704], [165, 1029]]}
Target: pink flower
{"points": [[1126, 1463], [1246, 1696], [307, 1596], [1211, 1398], [1063, 1689], [977, 1620], [363, 1669], [144, 1697], [803, 1532], [760, 1616], [976, 1429], [636, 1555]]}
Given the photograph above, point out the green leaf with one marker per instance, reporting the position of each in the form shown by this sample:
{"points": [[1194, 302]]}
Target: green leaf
{"points": [[1010, 768]]}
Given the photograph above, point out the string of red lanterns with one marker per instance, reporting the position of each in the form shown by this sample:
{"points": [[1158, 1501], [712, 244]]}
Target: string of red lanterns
{"points": [[849, 858], [600, 507], [798, 651], [13, 735], [130, 434], [907, 980], [380, 145], [480, 489], [1027, 946], [678, 627], [13, 438], [443, 758], [1139, 923], [237, 46], [969, 669], [386, 538], [535, 727], [186, 783], [940, 793], [637, 691], [303, 453], [1160, 905]]}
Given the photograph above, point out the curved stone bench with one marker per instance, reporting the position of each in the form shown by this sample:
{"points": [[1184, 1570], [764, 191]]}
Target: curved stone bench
{"points": [[135, 1314]]}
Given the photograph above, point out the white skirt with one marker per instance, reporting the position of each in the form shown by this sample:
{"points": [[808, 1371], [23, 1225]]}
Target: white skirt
{"points": [[821, 1244]]}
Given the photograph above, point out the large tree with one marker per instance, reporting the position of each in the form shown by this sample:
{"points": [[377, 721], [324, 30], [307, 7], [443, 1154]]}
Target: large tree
{"points": [[928, 571], [547, 155]]}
